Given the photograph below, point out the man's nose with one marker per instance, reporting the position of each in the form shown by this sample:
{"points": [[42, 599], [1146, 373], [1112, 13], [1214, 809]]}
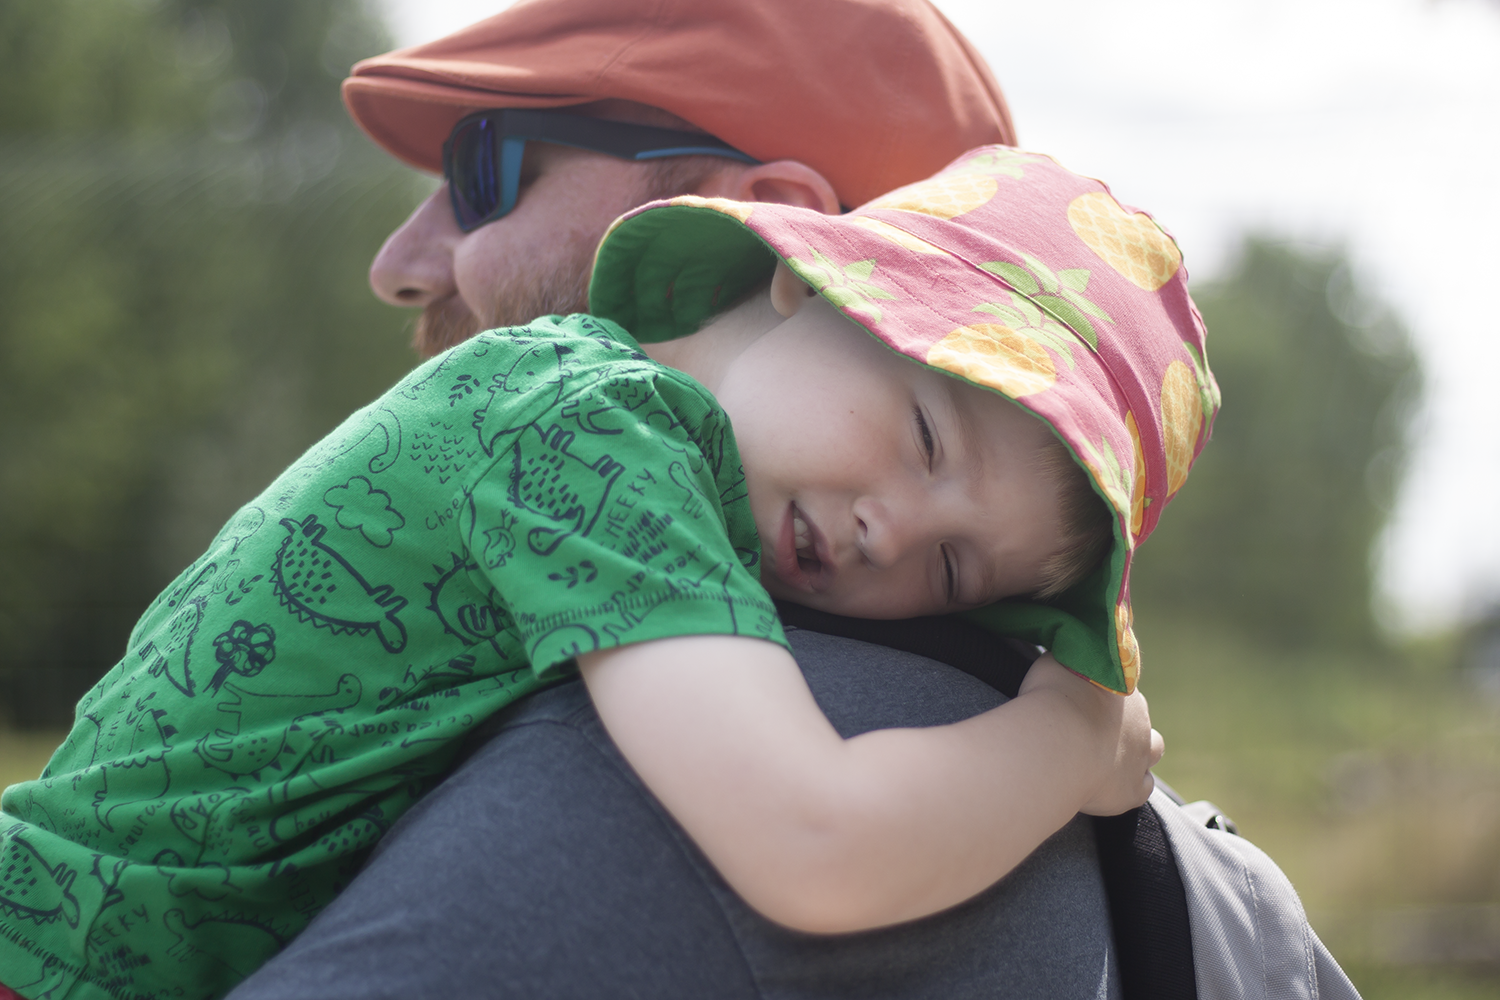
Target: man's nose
{"points": [[415, 266]]}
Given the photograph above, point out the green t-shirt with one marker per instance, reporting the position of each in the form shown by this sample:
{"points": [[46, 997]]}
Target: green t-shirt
{"points": [[532, 494]]}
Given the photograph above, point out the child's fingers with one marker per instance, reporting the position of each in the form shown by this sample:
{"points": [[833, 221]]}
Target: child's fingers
{"points": [[1122, 724]]}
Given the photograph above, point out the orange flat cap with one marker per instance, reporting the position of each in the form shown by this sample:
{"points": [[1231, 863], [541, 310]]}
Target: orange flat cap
{"points": [[873, 94]]}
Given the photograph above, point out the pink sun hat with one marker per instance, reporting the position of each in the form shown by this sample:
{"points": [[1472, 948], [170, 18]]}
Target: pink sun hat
{"points": [[1008, 271]]}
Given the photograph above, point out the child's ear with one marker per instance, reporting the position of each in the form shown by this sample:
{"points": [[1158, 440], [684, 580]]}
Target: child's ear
{"points": [[788, 291]]}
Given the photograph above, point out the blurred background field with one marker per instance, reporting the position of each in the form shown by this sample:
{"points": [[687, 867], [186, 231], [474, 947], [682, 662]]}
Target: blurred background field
{"points": [[186, 217], [1374, 781]]}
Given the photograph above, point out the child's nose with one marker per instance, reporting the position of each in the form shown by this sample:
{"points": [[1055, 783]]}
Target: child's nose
{"points": [[883, 529]]}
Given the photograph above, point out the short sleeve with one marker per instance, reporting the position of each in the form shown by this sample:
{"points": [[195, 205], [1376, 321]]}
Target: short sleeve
{"points": [[614, 509]]}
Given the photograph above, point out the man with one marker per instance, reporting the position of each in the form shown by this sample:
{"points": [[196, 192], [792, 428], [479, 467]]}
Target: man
{"points": [[583, 886]]}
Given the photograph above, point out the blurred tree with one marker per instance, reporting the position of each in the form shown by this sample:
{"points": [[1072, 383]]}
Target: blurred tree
{"points": [[186, 218], [1273, 534], [80, 66]]}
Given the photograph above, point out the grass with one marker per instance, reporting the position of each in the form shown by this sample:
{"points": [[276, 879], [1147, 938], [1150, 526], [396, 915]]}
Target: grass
{"points": [[1373, 780], [1385, 982]]}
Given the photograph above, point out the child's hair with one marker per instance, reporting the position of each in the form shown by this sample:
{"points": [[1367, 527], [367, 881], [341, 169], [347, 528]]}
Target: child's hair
{"points": [[1087, 523]]}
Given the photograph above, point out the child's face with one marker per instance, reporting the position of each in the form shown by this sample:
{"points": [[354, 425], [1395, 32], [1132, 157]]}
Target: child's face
{"points": [[880, 488]]}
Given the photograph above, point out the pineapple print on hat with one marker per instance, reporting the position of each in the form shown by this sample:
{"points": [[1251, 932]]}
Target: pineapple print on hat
{"points": [[1138, 491], [739, 209], [900, 237], [1133, 245], [1021, 316], [997, 160], [1037, 288], [848, 287], [1130, 649], [945, 198], [996, 356], [955, 192], [1181, 419], [1208, 386], [1118, 485]]}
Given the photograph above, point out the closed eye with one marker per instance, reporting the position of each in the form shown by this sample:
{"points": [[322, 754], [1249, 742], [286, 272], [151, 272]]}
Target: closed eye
{"points": [[950, 574], [926, 432]]}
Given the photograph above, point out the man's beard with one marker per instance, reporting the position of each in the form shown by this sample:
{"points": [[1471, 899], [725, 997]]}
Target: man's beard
{"points": [[562, 289]]}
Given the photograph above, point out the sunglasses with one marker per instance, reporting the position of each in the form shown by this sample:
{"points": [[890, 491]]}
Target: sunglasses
{"points": [[482, 157]]}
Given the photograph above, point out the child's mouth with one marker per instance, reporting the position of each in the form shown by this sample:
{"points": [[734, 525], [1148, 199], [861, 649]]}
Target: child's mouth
{"points": [[807, 556], [798, 562]]}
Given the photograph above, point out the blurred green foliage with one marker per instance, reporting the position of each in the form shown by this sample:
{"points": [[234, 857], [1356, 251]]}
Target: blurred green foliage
{"points": [[1274, 532], [186, 218], [1371, 779]]}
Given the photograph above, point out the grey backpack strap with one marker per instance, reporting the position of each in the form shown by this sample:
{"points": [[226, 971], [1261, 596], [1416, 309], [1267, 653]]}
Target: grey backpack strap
{"points": [[1251, 938]]}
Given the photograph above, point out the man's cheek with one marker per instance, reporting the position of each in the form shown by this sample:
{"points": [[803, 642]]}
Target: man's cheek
{"points": [[479, 266]]}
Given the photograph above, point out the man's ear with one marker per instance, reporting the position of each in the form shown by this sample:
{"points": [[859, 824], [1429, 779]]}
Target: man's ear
{"points": [[788, 292], [784, 182]]}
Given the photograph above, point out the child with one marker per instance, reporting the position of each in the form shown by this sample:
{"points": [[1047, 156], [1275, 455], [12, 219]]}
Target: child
{"points": [[549, 495]]}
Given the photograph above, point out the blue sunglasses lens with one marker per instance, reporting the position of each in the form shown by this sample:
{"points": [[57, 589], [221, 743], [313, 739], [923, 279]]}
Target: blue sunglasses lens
{"points": [[473, 173]]}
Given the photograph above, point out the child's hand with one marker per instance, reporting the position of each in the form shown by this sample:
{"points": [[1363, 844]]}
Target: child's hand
{"points": [[1127, 745]]}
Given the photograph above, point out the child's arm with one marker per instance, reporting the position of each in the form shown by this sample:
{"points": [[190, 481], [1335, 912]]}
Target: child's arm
{"points": [[830, 835]]}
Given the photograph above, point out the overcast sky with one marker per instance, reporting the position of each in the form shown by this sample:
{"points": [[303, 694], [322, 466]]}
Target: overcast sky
{"points": [[1373, 124]]}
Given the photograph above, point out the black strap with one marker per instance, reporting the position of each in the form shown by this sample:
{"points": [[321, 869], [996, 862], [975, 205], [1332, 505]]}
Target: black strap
{"points": [[1147, 906], [1147, 903]]}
